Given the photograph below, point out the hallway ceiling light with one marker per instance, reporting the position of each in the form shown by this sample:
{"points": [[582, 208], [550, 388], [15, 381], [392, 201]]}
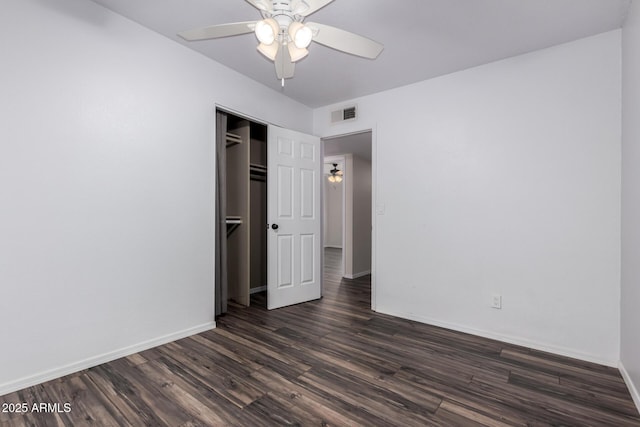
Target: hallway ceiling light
{"points": [[335, 174]]}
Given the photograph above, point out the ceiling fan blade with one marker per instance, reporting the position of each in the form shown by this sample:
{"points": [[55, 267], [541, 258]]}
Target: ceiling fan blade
{"points": [[284, 67], [217, 31], [314, 6], [262, 5], [345, 41]]}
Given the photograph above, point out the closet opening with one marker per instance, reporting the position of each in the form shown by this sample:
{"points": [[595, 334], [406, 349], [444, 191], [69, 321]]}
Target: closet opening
{"points": [[241, 211]]}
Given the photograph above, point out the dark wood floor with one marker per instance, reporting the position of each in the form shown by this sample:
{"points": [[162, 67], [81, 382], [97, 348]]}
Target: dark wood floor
{"points": [[333, 362]]}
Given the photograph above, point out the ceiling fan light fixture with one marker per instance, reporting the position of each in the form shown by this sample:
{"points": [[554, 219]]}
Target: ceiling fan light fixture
{"points": [[335, 174], [267, 31], [300, 34], [296, 53], [282, 23], [269, 50]]}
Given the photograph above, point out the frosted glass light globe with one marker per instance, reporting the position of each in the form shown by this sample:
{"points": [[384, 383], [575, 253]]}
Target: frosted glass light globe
{"points": [[266, 31], [300, 34]]}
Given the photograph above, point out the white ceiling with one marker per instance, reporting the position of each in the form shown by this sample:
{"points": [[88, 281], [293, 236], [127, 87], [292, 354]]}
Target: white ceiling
{"points": [[422, 38]]}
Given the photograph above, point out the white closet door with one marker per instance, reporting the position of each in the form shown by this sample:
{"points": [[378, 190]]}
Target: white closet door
{"points": [[293, 210]]}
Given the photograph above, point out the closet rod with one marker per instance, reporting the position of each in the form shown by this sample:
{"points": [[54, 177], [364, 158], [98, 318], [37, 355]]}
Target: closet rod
{"points": [[233, 222]]}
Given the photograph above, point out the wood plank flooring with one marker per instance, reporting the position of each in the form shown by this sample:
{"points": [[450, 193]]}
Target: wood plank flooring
{"points": [[332, 362]]}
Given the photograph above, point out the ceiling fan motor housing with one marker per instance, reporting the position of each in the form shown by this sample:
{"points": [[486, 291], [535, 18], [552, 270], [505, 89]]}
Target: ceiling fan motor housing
{"points": [[286, 11]]}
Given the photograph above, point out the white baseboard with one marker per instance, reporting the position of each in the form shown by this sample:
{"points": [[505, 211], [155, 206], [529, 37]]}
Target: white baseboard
{"points": [[258, 289], [561, 351], [357, 275], [52, 374], [630, 385]]}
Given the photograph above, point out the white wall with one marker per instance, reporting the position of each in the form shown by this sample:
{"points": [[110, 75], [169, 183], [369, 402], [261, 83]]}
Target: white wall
{"points": [[630, 316], [106, 185], [503, 179]]}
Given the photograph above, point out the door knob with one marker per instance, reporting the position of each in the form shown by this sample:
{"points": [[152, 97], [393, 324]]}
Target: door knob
{"points": [[274, 226]]}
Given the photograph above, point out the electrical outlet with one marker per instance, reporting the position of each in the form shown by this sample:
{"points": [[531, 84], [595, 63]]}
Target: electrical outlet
{"points": [[496, 301]]}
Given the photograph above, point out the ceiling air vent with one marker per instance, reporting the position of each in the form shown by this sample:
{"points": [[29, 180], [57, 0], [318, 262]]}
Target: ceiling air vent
{"points": [[346, 114]]}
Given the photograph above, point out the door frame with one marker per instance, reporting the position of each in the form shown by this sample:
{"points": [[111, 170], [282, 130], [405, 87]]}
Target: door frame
{"points": [[374, 202]]}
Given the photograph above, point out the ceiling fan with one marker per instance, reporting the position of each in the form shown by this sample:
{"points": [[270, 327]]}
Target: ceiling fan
{"points": [[284, 36]]}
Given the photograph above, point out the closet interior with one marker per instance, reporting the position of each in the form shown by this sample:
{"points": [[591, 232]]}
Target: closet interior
{"points": [[246, 208]]}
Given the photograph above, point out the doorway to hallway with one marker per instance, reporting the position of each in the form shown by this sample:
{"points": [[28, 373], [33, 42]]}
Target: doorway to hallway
{"points": [[347, 208]]}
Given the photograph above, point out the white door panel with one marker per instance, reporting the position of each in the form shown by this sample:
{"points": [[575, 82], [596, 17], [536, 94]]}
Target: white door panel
{"points": [[293, 192]]}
